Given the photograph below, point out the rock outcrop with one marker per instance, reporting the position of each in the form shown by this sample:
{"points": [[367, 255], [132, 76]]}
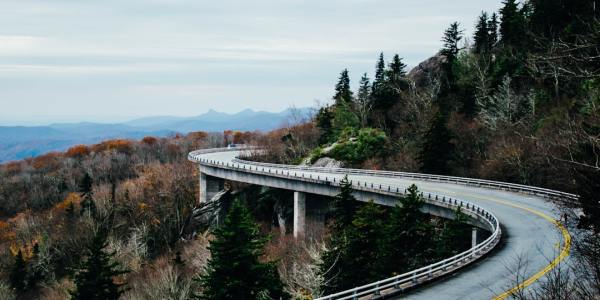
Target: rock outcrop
{"points": [[427, 71]]}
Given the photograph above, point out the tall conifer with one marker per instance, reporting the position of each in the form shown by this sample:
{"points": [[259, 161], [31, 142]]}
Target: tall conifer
{"points": [[234, 270], [95, 278], [437, 150]]}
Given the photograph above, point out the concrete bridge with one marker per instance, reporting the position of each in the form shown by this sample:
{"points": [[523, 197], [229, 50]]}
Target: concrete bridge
{"points": [[521, 215]]}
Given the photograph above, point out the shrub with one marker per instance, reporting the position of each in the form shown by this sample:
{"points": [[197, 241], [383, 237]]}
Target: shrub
{"points": [[368, 143]]}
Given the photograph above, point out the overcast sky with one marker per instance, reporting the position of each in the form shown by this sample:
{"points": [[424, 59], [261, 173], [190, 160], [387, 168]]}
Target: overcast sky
{"points": [[112, 60]]}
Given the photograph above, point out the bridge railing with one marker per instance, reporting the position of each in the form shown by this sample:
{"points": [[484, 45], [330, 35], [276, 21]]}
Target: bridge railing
{"points": [[399, 282], [538, 191]]}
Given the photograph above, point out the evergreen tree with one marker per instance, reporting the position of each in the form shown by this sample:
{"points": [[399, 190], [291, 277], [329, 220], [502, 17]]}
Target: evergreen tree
{"points": [[85, 186], [565, 19], [343, 94], [344, 118], [379, 79], [437, 150], [18, 273], [36, 270], [452, 37], [397, 70], [448, 86], [88, 206], [408, 240], [386, 91], [493, 31], [454, 237], [358, 248], [482, 35], [234, 270], [379, 87], [324, 121], [512, 24], [94, 279], [344, 206], [363, 245], [363, 100]]}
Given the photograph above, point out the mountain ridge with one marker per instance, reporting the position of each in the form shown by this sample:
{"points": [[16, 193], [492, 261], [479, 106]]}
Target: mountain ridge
{"points": [[19, 142]]}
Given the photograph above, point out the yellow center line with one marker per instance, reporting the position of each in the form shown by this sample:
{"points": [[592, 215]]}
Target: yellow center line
{"points": [[563, 253]]}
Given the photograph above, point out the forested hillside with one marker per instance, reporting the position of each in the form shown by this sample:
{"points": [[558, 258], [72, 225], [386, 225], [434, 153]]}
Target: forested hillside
{"points": [[517, 102]]}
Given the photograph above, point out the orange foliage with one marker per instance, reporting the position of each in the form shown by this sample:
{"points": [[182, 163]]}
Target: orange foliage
{"points": [[78, 151], [198, 135], [121, 146], [6, 232], [46, 161], [149, 140], [13, 168], [142, 206], [72, 198], [243, 137], [26, 249], [227, 137]]}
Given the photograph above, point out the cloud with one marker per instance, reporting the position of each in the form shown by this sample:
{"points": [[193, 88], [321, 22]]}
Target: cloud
{"points": [[41, 70], [230, 53]]}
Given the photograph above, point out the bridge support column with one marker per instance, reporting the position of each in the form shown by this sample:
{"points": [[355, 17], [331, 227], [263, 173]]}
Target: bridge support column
{"points": [[474, 237], [209, 186], [299, 214], [203, 190]]}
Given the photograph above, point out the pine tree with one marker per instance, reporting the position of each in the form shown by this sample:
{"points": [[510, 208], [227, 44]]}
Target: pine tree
{"points": [[344, 117], [437, 150], [512, 24], [18, 273], [356, 247], [363, 245], [448, 87], [379, 79], [408, 240], [94, 279], [482, 34], [452, 37], [36, 270], [493, 30], [343, 94], [454, 236], [234, 270], [363, 100], [397, 70], [344, 206], [88, 207], [324, 121], [386, 90], [85, 186]]}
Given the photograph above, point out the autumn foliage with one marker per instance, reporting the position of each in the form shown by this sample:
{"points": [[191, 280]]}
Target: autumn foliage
{"points": [[78, 151]]}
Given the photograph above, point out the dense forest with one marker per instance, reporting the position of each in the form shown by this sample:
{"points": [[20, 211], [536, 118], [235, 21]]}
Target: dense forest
{"points": [[517, 102]]}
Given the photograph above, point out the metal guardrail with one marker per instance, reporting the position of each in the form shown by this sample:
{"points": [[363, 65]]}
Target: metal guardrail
{"points": [[396, 283], [538, 191]]}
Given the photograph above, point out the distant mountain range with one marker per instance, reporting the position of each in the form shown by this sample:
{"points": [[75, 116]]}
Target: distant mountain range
{"points": [[19, 142]]}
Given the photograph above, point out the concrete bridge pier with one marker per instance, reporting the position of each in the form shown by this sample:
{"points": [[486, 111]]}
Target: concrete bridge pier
{"points": [[209, 187], [474, 237], [299, 214]]}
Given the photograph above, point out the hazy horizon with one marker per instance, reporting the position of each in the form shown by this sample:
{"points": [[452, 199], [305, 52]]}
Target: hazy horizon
{"points": [[130, 59], [45, 120]]}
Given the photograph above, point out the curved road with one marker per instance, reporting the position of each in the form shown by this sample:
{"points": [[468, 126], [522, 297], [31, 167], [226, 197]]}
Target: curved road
{"points": [[530, 234]]}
